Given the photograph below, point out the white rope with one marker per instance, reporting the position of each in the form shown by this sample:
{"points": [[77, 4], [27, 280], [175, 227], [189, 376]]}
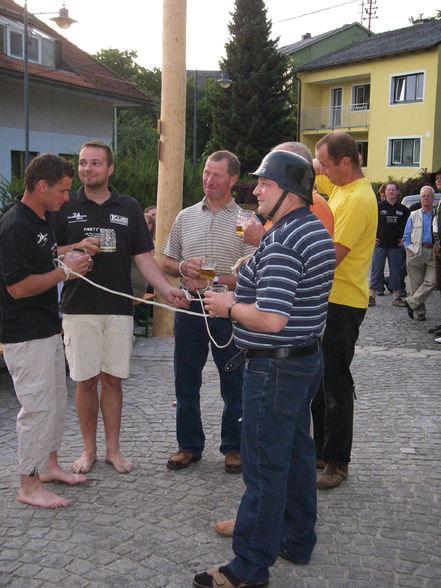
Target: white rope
{"points": [[208, 328], [70, 271]]}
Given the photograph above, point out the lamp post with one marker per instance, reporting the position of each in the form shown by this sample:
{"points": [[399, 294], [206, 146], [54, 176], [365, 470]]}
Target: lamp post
{"points": [[224, 82], [63, 21]]}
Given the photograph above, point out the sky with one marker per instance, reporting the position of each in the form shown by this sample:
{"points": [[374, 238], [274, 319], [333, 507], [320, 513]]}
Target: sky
{"points": [[137, 24]]}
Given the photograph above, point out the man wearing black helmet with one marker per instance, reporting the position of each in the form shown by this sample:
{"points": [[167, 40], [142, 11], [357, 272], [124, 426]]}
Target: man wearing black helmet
{"points": [[278, 312]]}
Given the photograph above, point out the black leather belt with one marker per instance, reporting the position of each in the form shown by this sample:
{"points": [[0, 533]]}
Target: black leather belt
{"points": [[283, 352]]}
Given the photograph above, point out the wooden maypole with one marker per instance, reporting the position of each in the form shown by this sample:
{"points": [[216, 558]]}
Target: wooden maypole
{"points": [[171, 146]]}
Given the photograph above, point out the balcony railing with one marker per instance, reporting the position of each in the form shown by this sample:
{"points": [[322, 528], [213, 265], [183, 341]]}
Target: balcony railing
{"points": [[354, 115]]}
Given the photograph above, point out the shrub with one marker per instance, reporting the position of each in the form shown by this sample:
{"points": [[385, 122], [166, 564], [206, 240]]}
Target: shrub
{"points": [[8, 191]]}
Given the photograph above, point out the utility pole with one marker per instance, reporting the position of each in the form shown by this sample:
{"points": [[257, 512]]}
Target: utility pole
{"points": [[171, 146], [368, 12]]}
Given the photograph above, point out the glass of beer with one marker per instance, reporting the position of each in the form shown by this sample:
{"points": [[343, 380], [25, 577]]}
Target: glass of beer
{"points": [[208, 268], [78, 252], [218, 288], [107, 240], [243, 217]]}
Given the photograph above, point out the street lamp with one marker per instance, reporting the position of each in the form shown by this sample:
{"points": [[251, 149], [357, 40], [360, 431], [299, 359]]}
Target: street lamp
{"points": [[63, 21], [224, 82]]}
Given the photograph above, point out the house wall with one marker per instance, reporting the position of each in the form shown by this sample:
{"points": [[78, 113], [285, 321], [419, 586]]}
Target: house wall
{"points": [[331, 43], [385, 120], [59, 121], [436, 160]]}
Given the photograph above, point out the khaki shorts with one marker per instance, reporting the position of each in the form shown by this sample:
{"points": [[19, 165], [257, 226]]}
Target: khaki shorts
{"points": [[98, 343], [39, 375]]}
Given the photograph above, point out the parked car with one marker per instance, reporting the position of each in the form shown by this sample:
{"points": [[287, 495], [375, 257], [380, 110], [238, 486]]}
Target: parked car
{"points": [[415, 198]]}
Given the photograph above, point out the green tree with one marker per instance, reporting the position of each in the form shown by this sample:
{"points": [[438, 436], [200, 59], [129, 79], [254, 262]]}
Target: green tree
{"points": [[253, 114], [136, 125], [419, 18], [136, 166]]}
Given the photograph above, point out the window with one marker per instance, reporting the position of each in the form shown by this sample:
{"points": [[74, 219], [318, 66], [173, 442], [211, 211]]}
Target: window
{"points": [[407, 88], [360, 97], [336, 107], [15, 44], [17, 162], [2, 38], [34, 53], [405, 152], [41, 47], [363, 150]]}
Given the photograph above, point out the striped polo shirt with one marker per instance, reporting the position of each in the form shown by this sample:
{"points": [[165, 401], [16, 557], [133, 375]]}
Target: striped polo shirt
{"points": [[290, 274], [200, 232]]}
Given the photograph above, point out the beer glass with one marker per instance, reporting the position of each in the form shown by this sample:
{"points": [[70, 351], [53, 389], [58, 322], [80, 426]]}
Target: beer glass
{"points": [[107, 240], [208, 268], [243, 217]]}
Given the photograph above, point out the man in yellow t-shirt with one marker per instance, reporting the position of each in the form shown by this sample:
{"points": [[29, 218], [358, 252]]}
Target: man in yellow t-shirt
{"points": [[354, 208]]}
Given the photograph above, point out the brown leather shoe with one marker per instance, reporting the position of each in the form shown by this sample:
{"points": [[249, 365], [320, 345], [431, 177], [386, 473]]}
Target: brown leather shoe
{"points": [[333, 475], [181, 459], [225, 528], [320, 463], [233, 463]]}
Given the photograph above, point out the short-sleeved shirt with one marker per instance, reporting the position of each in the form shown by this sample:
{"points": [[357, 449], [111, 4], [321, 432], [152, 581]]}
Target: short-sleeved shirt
{"points": [[290, 274], [391, 222], [27, 247], [355, 211], [82, 217], [199, 232]]}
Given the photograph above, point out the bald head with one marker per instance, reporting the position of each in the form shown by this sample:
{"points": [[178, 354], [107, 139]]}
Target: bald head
{"points": [[295, 147]]}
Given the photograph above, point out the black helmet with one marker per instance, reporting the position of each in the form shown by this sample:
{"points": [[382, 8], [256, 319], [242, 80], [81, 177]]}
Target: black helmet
{"points": [[292, 172]]}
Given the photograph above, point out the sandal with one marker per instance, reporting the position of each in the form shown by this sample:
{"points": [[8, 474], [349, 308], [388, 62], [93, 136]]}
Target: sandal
{"points": [[222, 578]]}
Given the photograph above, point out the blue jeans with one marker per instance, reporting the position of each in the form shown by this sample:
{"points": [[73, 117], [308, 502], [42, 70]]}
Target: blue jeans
{"points": [[279, 505], [396, 260], [191, 351]]}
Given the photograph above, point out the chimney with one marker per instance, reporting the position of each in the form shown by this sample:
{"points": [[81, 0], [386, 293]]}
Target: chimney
{"points": [[306, 36]]}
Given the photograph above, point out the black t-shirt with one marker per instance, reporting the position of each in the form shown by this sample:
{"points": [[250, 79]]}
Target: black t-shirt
{"points": [[27, 246], [391, 223], [82, 217]]}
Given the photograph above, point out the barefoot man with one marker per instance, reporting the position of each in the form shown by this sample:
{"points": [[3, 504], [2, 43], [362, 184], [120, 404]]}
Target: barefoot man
{"points": [[98, 325], [30, 324]]}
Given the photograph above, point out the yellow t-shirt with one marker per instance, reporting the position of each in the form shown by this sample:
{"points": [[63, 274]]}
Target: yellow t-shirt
{"points": [[355, 211]]}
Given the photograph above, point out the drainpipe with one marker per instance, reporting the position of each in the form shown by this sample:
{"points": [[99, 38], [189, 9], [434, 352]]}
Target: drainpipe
{"points": [[299, 86]]}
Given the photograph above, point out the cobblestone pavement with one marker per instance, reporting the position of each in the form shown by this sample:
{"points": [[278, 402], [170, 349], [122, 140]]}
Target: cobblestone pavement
{"points": [[154, 527]]}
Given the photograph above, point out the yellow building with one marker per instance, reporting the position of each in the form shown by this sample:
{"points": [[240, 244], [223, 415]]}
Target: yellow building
{"points": [[386, 92]]}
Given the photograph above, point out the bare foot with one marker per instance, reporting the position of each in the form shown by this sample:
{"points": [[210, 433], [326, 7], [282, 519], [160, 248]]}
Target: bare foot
{"points": [[120, 463], [57, 474], [39, 496], [83, 464]]}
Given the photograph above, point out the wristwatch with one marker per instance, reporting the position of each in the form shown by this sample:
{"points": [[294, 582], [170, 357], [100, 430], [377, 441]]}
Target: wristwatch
{"points": [[230, 308]]}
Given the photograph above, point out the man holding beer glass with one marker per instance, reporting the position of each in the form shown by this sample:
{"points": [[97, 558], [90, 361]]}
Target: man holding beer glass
{"points": [[98, 325], [203, 241]]}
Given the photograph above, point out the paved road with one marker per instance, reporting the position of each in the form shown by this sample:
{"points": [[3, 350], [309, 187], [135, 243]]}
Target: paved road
{"points": [[154, 527]]}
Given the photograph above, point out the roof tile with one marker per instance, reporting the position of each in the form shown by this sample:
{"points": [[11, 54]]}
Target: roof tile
{"points": [[417, 37]]}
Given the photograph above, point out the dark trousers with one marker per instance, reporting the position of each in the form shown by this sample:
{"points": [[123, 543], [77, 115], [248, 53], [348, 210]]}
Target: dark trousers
{"points": [[437, 261], [191, 351], [333, 405], [279, 505]]}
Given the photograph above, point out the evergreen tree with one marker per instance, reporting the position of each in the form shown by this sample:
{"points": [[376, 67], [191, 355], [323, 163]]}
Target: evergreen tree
{"points": [[252, 115]]}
